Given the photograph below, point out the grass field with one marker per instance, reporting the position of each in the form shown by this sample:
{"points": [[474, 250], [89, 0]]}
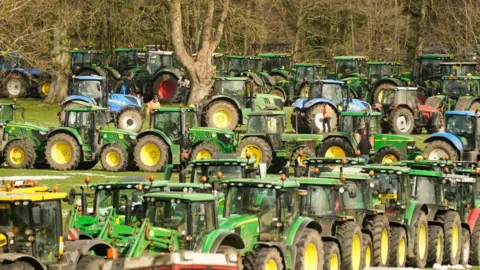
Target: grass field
{"points": [[40, 113]]}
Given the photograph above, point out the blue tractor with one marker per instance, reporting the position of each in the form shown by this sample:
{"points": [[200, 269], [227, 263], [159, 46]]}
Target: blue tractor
{"points": [[125, 110], [307, 116], [459, 141]]}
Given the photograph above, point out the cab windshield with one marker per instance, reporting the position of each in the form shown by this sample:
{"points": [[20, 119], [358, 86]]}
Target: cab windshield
{"points": [[254, 65], [344, 68], [389, 191], [157, 61], [108, 199], [91, 89], [319, 202], [263, 124], [235, 65], [356, 124], [6, 113], [305, 72], [101, 118], [430, 68], [463, 127], [353, 196], [229, 88], [458, 88], [332, 92], [424, 188], [378, 71], [458, 70]]}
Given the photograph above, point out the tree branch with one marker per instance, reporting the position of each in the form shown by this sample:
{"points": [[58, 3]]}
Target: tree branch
{"points": [[220, 25], [177, 33]]}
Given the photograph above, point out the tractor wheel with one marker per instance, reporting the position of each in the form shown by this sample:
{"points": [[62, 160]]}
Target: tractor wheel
{"points": [[130, 120], [299, 156], [114, 158], [89, 262], [278, 92], [335, 148], [315, 122], [302, 123], [266, 259], [401, 121], [437, 124], [309, 251], [367, 251], [19, 154], [436, 242], [378, 93], [420, 241], [389, 155], [16, 86], [350, 237], [222, 114], [380, 228], [151, 153], [166, 88], [398, 247], [475, 244], [17, 265], [63, 152], [452, 228], [331, 256], [86, 165], [44, 88], [61, 115], [204, 150], [475, 106], [439, 149], [464, 259], [258, 148]]}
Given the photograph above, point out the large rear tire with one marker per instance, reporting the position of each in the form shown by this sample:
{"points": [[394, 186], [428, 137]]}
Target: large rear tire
{"points": [[475, 241], [475, 106], [401, 121], [315, 122], [464, 259], [437, 124], [19, 154], [380, 229], [335, 148], [436, 243], [367, 251], [389, 155], [130, 120], [114, 158], [398, 247], [15, 86], [420, 243], [151, 153], [89, 262], [309, 251], [222, 114], [258, 148], [166, 88], [452, 228], [63, 152], [299, 123], [350, 237], [436, 150]]}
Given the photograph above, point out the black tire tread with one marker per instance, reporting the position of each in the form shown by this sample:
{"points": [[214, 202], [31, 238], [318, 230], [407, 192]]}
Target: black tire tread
{"points": [[308, 236], [433, 233], [123, 158], [267, 152], [163, 148], [449, 219], [393, 117], [28, 149], [345, 234], [376, 226], [76, 152], [396, 234]]}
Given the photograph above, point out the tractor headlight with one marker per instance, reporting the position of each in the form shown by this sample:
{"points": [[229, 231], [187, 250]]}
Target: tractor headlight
{"points": [[42, 132], [132, 137]]}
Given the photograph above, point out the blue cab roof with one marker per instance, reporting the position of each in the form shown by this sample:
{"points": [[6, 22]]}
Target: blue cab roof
{"points": [[464, 113], [89, 78], [332, 82]]}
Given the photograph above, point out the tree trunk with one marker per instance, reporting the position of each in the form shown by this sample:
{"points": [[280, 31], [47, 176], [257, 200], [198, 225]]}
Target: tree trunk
{"points": [[61, 64]]}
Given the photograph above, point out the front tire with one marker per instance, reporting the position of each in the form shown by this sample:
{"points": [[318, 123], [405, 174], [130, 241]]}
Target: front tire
{"points": [[335, 148], [350, 237], [380, 229], [452, 227], [89, 262], [114, 159], [204, 150], [19, 154], [17, 265], [331, 256], [436, 124], [464, 260], [130, 120], [420, 248], [436, 243], [267, 258], [63, 152], [401, 121], [15, 86], [222, 114], [151, 153], [309, 251], [367, 251], [166, 88], [398, 247], [299, 156], [258, 148], [436, 150], [389, 155]]}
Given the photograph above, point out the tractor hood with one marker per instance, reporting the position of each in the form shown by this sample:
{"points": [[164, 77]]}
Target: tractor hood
{"points": [[118, 131], [213, 131], [392, 137], [123, 100], [299, 103], [15, 125], [268, 102], [239, 222]]}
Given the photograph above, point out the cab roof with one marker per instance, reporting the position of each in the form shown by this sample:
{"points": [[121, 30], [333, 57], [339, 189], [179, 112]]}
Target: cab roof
{"points": [[459, 63], [89, 78], [349, 176], [462, 113], [195, 197], [465, 78], [320, 181], [405, 89], [338, 161], [33, 197], [86, 51], [436, 56], [350, 57], [175, 109], [422, 163], [381, 63], [269, 182], [269, 54], [332, 82], [188, 185], [130, 50], [222, 162], [129, 184], [385, 168], [361, 113], [231, 79], [309, 65], [426, 173]]}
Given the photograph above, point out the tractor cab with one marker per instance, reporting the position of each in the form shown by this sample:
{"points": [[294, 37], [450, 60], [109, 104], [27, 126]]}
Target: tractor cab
{"points": [[322, 200], [275, 61], [160, 59], [411, 96], [10, 61], [219, 169], [86, 58], [87, 121], [348, 66], [253, 64], [127, 58], [379, 70], [239, 88], [183, 219], [318, 165], [235, 65], [267, 123], [460, 191], [458, 86], [357, 122], [458, 69], [219, 61], [465, 125], [427, 70], [305, 74], [424, 164], [92, 87], [175, 122], [328, 89]]}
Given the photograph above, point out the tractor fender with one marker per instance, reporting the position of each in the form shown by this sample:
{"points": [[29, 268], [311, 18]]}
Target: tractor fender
{"points": [[85, 247], [116, 102], [394, 81], [82, 100], [70, 131], [21, 72], [341, 136], [309, 104], [299, 103], [297, 228], [414, 210], [280, 247], [12, 257], [113, 73], [327, 238], [216, 238], [397, 106], [278, 88], [85, 236], [467, 227], [473, 218], [367, 231], [279, 72], [160, 72], [465, 103], [96, 70], [435, 222], [448, 137]]}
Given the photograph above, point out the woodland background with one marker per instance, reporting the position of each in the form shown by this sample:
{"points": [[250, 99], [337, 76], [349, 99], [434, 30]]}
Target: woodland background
{"points": [[313, 30]]}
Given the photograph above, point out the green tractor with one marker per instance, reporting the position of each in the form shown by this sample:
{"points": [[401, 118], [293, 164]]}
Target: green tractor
{"points": [[353, 70], [459, 69], [386, 148], [85, 138], [458, 93], [134, 61], [427, 71], [385, 75], [265, 213], [277, 65], [219, 61], [22, 145], [250, 67], [175, 135], [232, 99], [267, 142], [304, 74]]}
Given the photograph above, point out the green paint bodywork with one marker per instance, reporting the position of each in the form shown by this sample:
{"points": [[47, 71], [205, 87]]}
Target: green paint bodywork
{"points": [[356, 79]]}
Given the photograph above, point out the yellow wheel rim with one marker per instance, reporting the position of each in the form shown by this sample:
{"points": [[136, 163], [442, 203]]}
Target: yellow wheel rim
{"points": [[334, 262], [61, 153], [301, 159], [368, 256], [439, 248], [112, 159], [254, 151], [384, 246], [389, 159], [203, 154], [356, 252], [222, 118], [455, 239], [422, 241], [45, 88], [401, 252], [150, 154], [335, 152], [271, 265], [17, 155], [311, 257]]}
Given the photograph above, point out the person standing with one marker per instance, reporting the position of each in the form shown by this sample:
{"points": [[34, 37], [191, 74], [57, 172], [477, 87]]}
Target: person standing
{"points": [[153, 105], [326, 118], [364, 147]]}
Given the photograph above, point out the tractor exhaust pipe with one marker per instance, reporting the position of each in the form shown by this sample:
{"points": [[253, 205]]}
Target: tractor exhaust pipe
{"points": [[83, 200], [128, 211]]}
